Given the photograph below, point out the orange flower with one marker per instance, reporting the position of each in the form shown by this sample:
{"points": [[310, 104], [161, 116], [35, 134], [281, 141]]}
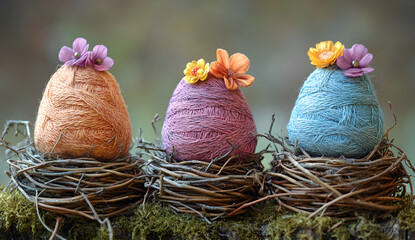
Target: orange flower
{"points": [[232, 69], [325, 53]]}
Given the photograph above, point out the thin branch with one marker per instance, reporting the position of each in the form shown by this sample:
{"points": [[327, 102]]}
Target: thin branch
{"points": [[55, 231]]}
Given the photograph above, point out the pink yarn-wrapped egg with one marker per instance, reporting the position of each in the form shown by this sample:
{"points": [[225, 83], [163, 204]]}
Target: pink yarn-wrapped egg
{"points": [[203, 118]]}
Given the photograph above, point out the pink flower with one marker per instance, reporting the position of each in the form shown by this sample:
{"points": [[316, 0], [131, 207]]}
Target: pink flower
{"points": [[75, 56], [99, 59], [355, 61]]}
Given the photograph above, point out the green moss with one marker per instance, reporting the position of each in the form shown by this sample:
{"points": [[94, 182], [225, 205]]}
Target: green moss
{"points": [[81, 228], [341, 233], [165, 223], [367, 229], [153, 218], [293, 226], [407, 218], [18, 215]]}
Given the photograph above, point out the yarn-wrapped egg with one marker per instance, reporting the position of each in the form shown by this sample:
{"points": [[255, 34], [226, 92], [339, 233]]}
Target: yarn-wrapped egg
{"points": [[82, 112], [208, 116], [337, 112]]}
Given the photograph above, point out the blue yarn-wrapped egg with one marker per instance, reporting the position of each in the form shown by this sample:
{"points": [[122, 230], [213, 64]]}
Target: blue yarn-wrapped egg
{"points": [[336, 115]]}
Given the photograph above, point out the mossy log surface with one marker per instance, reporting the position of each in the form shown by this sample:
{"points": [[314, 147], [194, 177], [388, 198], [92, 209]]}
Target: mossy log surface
{"points": [[19, 220]]}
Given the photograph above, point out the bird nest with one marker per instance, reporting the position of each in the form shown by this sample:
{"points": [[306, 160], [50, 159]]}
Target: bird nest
{"points": [[76, 187], [209, 190], [339, 187]]}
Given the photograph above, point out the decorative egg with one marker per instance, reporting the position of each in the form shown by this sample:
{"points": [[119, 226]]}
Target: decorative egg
{"points": [[205, 121], [208, 116], [337, 112], [82, 112]]}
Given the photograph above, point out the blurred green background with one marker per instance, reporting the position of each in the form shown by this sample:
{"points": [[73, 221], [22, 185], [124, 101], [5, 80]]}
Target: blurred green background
{"points": [[151, 42]]}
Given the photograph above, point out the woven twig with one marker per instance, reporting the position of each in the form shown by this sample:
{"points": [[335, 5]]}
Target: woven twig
{"points": [[339, 186], [208, 190], [76, 187]]}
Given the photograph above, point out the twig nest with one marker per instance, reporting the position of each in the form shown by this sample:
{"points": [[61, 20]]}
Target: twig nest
{"points": [[88, 185], [328, 186], [341, 186], [205, 120], [82, 187], [209, 190], [337, 111], [82, 114]]}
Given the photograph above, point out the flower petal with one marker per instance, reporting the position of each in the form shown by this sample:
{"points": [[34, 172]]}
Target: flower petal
{"points": [[324, 46], [353, 72], [223, 57], [244, 80], [239, 63], [347, 55], [367, 69], [191, 79], [200, 63], [85, 50], [82, 61], [358, 51], [106, 64], [353, 51], [65, 54], [90, 59], [338, 50], [230, 83], [313, 51], [204, 75], [199, 72], [343, 63], [315, 59], [100, 51], [80, 45], [338, 46], [186, 71], [218, 70], [190, 65], [366, 60]]}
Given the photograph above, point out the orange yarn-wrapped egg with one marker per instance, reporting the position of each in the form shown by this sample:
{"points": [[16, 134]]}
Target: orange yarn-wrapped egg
{"points": [[83, 114]]}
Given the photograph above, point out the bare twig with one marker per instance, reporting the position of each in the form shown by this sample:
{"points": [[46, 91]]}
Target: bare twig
{"points": [[43, 223], [55, 231]]}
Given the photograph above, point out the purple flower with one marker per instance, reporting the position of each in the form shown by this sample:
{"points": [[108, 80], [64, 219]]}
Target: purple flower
{"points": [[99, 59], [75, 56], [355, 61]]}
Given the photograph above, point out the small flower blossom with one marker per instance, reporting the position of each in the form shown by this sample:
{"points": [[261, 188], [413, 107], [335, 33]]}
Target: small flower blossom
{"points": [[196, 71], [325, 53], [99, 59], [355, 61], [232, 69], [75, 56]]}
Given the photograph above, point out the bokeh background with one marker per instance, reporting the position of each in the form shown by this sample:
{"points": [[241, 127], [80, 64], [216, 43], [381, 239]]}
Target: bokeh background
{"points": [[151, 42]]}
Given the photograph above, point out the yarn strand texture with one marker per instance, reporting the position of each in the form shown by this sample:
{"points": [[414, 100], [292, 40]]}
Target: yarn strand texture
{"points": [[336, 115], [203, 118], [83, 114]]}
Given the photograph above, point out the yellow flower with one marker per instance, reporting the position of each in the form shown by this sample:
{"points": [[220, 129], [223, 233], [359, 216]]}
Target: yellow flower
{"points": [[325, 53], [196, 71]]}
